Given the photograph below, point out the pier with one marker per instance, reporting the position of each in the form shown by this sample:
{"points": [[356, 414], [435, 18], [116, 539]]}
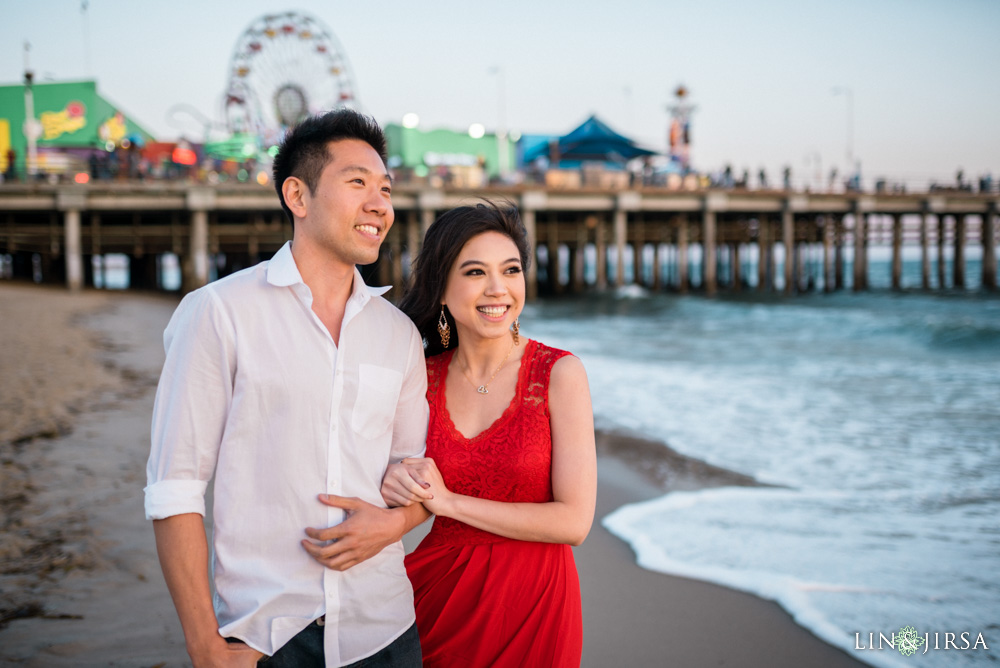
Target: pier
{"points": [[585, 239]]}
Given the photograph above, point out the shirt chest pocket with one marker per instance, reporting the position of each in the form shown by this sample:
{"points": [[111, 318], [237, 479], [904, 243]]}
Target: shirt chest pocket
{"points": [[375, 406]]}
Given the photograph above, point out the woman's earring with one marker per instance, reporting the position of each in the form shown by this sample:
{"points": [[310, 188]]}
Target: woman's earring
{"points": [[515, 330], [445, 330]]}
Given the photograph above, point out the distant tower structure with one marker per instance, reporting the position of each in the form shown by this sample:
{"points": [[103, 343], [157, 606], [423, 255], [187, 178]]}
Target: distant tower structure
{"points": [[679, 131]]}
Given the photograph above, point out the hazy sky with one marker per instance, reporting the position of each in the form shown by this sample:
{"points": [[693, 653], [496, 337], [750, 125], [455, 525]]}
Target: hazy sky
{"points": [[925, 74]]}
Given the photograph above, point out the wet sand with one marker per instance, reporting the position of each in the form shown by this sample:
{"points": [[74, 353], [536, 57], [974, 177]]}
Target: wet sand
{"points": [[79, 581]]}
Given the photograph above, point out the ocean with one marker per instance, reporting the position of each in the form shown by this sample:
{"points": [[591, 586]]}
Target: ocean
{"points": [[874, 418]]}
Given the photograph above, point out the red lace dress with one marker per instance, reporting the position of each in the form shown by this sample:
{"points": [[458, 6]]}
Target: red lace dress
{"points": [[482, 599]]}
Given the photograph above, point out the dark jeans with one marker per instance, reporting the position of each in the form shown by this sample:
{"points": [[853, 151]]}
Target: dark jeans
{"points": [[305, 650]]}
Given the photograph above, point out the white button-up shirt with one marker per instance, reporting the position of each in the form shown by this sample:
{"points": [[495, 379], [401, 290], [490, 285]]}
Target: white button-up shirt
{"points": [[255, 390]]}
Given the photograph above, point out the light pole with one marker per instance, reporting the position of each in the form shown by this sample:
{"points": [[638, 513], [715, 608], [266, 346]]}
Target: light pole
{"points": [[849, 92], [31, 127]]}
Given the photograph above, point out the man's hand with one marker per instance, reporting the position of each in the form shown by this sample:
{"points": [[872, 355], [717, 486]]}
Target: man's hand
{"points": [[401, 486], [365, 531], [224, 654]]}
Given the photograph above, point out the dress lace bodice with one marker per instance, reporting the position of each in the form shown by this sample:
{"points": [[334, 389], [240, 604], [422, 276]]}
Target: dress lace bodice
{"points": [[511, 460]]}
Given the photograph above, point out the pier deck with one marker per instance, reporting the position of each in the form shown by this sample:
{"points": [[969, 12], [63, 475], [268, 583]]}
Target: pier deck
{"points": [[597, 233]]}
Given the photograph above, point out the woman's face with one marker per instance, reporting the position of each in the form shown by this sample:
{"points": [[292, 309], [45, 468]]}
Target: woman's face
{"points": [[485, 288]]}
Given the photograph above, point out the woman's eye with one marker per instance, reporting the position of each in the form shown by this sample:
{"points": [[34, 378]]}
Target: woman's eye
{"points": [[514, 270], [474, 272]]}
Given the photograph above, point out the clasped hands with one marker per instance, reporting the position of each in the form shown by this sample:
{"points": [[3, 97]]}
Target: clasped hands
{"points": [[416, 480], [368, 529]]}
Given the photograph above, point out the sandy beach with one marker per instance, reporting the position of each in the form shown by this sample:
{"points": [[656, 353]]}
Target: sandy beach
{"points": [[79, 580]]}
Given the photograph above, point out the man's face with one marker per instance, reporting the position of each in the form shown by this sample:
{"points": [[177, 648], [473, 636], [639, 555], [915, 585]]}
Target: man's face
{"points": [[350, 212]]}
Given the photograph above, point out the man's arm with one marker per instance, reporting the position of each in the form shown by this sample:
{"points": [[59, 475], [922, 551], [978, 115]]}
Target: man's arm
{"points": [[183, 551], [192, 401]]}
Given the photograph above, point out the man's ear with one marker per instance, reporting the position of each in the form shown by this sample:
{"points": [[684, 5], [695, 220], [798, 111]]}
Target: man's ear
{"points": [[295, 192]]}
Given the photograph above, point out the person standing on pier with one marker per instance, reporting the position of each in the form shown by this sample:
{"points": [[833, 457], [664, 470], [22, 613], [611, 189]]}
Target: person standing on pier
{"points": [[295, 385]]}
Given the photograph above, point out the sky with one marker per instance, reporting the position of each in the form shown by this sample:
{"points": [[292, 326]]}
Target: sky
{"points": [[924, 75]]}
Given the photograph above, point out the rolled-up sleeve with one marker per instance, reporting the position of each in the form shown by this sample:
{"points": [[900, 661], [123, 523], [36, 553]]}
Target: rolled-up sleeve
{"points": [[409, 433], [193, 400]]}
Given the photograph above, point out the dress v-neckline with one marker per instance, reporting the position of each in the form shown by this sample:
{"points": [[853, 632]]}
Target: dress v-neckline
{"points": [[511, 407]]}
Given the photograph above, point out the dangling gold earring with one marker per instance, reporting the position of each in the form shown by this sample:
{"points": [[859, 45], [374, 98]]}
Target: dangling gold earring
{"points": [[515, 330], [444, 330]]}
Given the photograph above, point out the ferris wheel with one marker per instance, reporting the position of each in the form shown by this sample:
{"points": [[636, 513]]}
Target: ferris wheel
{"points": [[285, 67]]}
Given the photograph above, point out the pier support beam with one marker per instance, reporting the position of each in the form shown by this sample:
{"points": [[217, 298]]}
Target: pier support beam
{"points": [[625, 202], [195, 269], [763, 253], [72, 244], [838, 253], [552, 244], [71, 201], [429, 201], [602, 255], [897, 251], [396, 261], [736, 270], [989, 248], [531, 202], [531, 277], [197, 265], [788, 243], [958, 264], [579, 277], [709, 280], [657, 264], [925, 254], [828, 225], [942, 283], [683, 283], [413, 237], [861, 209], [620, 228], [713, 203]]}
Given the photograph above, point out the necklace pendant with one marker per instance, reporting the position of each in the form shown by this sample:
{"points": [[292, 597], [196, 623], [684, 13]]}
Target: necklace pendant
{"points": [[482, 390]]}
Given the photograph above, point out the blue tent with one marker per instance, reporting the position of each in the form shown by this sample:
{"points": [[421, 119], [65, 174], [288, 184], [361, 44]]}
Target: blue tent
{"points": [[593, 140]]}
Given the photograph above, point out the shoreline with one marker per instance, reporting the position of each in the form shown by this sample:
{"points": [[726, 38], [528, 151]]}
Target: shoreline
{"points": [[635, 616], [78, 562]]}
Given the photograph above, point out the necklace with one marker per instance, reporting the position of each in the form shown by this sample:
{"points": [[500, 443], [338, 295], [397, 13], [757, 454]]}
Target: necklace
{"points": [[484, 388]]}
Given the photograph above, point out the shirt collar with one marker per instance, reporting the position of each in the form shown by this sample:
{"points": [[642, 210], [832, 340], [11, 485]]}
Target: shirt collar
{"points": [[282, 272]]}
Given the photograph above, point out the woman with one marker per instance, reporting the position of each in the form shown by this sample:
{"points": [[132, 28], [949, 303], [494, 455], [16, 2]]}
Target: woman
{"points": [[510, 470]]}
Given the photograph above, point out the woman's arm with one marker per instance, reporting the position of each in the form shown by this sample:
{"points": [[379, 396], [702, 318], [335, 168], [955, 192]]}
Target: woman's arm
{"points": [[568, 517]]}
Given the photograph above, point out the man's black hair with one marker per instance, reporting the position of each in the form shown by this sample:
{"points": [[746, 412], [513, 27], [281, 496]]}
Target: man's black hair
{"points": [[304, 151]]}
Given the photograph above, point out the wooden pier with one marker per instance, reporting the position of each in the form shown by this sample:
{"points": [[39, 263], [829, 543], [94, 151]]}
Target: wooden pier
{"points": [[584, 239]]}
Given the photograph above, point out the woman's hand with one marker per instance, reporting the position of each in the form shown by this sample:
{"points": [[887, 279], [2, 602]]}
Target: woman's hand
{"points": [[401, 486], [426, 473]]}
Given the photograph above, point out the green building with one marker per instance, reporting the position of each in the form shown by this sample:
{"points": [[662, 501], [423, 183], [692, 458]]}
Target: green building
{"points": [[424, 151], [73, 120]]}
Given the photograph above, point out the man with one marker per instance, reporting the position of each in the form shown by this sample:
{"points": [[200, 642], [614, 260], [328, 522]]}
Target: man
{"points": [[295, 385]]}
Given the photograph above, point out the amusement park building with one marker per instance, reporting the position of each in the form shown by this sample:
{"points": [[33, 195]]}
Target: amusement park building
{"points": [[74, 119], [425, 151]]}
